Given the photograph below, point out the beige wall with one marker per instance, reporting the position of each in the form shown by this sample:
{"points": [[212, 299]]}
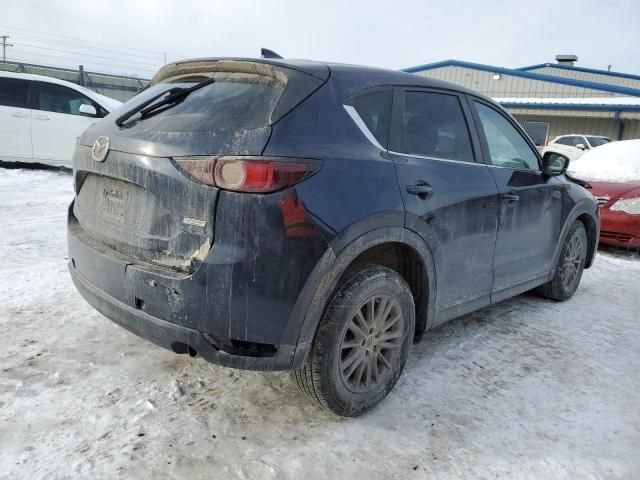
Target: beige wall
{"points": [[509, 86], [589, 77]]}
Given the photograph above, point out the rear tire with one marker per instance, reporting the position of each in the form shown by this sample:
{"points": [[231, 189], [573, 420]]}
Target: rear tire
{"points": [[570, 266], [362, 343]]}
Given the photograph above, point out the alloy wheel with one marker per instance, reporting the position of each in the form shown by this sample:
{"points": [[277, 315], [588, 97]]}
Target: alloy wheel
{"points": [[371, 343], [572, 262]]}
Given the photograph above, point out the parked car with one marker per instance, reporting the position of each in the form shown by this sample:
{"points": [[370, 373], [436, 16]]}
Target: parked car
{"points": [[41, 117], [293, 215], [575, 145], [613, 173]]}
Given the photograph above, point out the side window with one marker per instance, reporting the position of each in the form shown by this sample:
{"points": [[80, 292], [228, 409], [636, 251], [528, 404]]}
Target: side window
{"points": [[375, 111], [14, 92], [60, 99], [432, 125], [569, 141], [579, 140], [507, 147]]}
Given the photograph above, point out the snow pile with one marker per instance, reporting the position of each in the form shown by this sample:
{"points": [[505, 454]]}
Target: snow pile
{"points": [[613, 162], [525, 389]]}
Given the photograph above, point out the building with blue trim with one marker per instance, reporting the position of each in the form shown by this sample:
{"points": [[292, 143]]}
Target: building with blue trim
{"points": [[552, 99]]}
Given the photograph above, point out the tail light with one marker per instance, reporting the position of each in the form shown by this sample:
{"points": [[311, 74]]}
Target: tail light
{"points": [[248, 174]]}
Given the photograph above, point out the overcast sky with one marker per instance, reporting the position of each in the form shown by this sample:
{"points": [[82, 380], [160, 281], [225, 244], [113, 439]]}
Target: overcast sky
{"points": [[391, 34]]}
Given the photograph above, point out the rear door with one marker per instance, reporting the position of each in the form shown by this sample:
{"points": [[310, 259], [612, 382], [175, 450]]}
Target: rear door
{"points": [[530, 203], [57, 121], [449, 197], [15, 119]]}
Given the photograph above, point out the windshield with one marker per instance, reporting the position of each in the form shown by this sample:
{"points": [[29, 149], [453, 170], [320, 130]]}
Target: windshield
{"points": [[598, 141]]}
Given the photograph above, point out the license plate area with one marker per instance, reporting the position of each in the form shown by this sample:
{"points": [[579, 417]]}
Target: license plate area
{"points": [[115, 199]]}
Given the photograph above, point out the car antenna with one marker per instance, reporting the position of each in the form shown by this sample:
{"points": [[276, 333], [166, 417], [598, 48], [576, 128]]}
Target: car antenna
{"points": [[266, 53]]}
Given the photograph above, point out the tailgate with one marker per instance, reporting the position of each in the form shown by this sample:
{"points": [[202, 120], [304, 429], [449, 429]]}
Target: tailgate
{"points": [[145, 208]]}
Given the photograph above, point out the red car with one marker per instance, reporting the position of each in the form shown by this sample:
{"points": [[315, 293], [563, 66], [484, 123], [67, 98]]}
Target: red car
{"points": [[613, 171], [618, 226]]}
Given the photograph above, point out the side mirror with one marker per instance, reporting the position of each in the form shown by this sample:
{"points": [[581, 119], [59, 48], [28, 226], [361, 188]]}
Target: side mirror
{"points": [[554, 164], [88, 109], [581, 146]]}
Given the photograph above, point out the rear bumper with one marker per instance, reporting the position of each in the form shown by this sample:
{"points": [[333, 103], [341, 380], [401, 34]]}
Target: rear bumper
{"points": [[175, 337], [238, 309]]}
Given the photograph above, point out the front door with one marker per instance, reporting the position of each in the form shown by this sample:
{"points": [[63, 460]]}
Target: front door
{"points": [[57, 122], [530, 204], [450, 199], [15, 119]]}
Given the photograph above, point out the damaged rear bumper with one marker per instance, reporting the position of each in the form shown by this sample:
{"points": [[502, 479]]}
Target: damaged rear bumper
{"points": [[176, 338]]}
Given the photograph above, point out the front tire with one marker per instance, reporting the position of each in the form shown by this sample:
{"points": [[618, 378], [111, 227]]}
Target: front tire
{"points": [[570, 266], [362, 343]]}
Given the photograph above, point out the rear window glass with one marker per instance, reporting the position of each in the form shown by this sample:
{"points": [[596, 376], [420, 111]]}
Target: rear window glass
{"points": [[236, 101], [375, 111], [14, 92]]}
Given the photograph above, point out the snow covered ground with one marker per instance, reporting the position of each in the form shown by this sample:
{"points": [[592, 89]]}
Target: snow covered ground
{"points": [[525, 389]]}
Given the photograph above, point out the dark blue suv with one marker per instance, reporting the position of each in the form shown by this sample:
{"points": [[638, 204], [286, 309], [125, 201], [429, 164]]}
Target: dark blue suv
{"points": [[294, 215]]}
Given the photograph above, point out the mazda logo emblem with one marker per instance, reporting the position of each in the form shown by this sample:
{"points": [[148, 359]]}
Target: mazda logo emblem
{"points": [[100, 149]]}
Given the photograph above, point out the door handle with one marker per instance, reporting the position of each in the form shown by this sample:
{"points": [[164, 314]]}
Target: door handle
{"points": [[422, 189], [510, 198], [19, 115], [40, 117]]}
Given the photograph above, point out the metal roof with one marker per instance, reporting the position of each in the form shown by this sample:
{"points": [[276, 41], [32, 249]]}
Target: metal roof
{"points": [[592, 104], [581, 69], [634, 92]]}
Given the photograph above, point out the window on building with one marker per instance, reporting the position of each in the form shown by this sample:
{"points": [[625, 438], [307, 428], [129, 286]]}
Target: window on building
{"points": [[375, 111], [507, 147], [432, 125], [14, 92], [538, 132]]}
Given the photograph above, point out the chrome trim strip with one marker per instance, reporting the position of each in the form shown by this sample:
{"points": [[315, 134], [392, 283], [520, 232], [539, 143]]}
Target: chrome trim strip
{"points": [[459, 162], [515, 169], [355, 116]]}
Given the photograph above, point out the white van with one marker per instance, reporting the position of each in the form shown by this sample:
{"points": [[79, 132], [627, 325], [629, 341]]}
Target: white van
{"points": [[41, 117]]}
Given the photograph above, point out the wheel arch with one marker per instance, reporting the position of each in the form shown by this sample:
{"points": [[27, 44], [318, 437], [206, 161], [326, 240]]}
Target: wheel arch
{"points": [[582, 212], [395, 247]]}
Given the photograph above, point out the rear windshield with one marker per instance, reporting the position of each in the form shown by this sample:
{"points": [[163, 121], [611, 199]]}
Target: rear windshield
{"points": [[236, 101]]}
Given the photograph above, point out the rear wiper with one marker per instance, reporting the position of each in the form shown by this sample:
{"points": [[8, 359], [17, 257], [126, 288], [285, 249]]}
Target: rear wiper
{"points": [[175, 96]]}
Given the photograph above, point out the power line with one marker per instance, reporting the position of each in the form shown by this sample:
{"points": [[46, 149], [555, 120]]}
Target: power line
{"points": [[76, 39], [91, 47], [157, 64], [75, 62]]}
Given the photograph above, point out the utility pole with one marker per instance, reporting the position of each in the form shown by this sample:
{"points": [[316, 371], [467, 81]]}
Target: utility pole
{"points": [[4, 47]]}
